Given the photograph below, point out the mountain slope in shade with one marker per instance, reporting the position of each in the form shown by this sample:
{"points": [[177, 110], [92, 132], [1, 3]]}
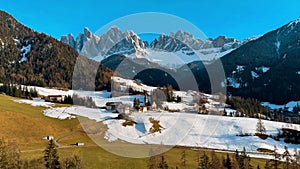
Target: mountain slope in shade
{"points": [[140, 69], [32, 58], [267, 68]]}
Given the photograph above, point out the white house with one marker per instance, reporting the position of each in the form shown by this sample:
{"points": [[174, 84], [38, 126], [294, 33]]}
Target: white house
{"points": [[48, 138]]}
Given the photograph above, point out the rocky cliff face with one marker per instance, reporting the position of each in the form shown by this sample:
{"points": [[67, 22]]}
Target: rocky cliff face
{"points": [[167, 50], [113, 42], [69, 39], [185, 41]]}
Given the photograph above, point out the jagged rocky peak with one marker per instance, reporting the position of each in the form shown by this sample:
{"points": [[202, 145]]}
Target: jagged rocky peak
{"points": [[178, 35], [113, 41], [68, 39], [127, 43], [114, 34], [167, 43], [293, 23], [185, 39], [220, 41], [87, 33]]}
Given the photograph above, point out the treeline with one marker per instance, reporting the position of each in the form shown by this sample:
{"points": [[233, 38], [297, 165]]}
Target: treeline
{"points": [[18, 91], [75, 99], [252, 108], [205, 160], [285, 160], [164, 94], [238, 160], [86, 101], [249, 107], [10, 158]]}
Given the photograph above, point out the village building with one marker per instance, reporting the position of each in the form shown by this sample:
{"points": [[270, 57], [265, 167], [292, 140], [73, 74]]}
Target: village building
{"points": [[79, 144], [48, 138], [124, 109], [54, 98], [113, 106]]}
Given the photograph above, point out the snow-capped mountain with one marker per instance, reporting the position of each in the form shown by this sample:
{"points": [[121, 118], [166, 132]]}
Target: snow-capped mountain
{"points": [[172, 50], [113, 42], [188, 49]]}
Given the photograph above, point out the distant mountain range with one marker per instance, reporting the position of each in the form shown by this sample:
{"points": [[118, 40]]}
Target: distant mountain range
{"points": [[182, 47], [266, 68]]}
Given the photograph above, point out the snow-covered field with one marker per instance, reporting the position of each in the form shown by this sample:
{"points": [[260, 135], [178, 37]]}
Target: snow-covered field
{"points": [[216, 132], [35, 102], [183, 129], [133, 84], [181, 57], [73, 111]]}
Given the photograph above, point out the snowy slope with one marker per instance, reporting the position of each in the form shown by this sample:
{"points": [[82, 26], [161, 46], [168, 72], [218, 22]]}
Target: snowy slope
{"points": [[217, 132], [183, 129], [289, 105], [179, 58]]}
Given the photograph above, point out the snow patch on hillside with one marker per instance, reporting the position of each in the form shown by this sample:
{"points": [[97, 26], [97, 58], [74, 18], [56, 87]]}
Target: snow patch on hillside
{"points": [[289, 105], [277, 44], [233, 82], [35, 102], [293, 23], [73, 111], [24, 51], [133, 84], [254, 75], [263, 69]]}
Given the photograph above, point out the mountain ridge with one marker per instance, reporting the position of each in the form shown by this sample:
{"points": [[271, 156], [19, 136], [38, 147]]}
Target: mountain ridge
{"points": [[32, 58], [181, 45], [266, 68]]}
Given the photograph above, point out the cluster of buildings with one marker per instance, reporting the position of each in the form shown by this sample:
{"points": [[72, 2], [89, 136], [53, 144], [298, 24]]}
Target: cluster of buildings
{"points": [[123, 108]]}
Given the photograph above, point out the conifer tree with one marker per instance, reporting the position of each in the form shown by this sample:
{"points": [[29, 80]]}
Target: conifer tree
{"points": [[153, 159], [183, 159], [260, 128], [276, 158], [51, 157], [136, 103], [227, 162], [74, 163], [3, 154], [163, 164], [204, 162], [215, 161], [9, 155], [268, 165], [296, 159], [287, 156]]}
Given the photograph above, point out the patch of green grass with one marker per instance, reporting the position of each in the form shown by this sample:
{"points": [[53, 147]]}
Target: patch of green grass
{"points": [[27, 125]]}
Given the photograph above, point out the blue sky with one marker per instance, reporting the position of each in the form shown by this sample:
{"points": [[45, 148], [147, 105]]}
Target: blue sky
{"points": [[233, 18]]}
